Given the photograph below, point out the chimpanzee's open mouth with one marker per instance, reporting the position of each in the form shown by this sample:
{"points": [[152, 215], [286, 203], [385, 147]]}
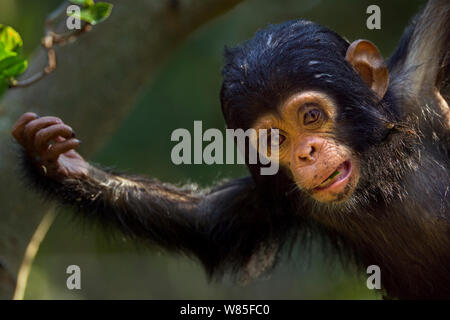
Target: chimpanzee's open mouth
{"points": [[338, 177]]}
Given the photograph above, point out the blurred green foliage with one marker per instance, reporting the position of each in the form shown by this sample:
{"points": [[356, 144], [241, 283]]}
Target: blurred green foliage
{"points": [[11, 63], [92, 12], [11, 43], [187, 89]]}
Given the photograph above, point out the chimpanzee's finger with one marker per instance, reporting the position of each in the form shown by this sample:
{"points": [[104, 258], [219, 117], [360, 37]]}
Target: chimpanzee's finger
{"points": [[19, 126], [59, 148], [44, 136], [34, 126]]}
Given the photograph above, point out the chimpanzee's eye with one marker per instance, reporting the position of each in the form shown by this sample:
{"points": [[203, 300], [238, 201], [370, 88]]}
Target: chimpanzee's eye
{"points": [[311, 116]]}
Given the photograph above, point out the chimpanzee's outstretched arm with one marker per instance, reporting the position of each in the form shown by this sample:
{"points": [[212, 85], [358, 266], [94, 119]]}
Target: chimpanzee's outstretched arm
{"points": [[224, 227]]}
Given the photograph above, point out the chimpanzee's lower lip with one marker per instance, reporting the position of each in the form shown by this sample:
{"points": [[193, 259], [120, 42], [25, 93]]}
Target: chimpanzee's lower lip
{"points": [[344, 169]]}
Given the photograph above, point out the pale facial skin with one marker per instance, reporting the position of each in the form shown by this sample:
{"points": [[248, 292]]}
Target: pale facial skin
{"points": [[318, 164]]}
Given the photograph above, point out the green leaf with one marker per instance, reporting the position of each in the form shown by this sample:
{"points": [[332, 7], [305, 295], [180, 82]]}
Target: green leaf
{"points": [[12, 67], [7, 62], [10, 38], [11, 64], [5, 54], [94, 14], [84, 3]]}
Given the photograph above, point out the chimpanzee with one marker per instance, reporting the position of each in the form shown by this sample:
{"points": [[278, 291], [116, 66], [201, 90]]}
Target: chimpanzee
{"points": [[363, 153]]}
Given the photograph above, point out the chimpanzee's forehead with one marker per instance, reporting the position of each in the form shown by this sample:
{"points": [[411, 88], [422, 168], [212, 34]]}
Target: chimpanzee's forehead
{"points": [[283, 60], [286, 56]]}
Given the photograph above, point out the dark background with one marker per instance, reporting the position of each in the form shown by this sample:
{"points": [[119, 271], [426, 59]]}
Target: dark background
{"points": [[187, 89]]}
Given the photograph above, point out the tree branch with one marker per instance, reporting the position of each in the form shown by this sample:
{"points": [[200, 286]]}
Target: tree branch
{"points": [[48, 42]]}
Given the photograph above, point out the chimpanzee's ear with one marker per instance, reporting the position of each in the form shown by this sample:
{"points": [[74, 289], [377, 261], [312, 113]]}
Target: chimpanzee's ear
{"points": [[365, 58]]}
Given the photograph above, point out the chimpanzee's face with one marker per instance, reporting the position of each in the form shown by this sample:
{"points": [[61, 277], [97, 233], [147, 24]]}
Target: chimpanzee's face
{"points": [[308, 148]]}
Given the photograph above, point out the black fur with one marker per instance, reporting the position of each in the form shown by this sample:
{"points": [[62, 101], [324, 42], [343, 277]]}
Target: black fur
{"points": [[398, 217], [224, 227]]}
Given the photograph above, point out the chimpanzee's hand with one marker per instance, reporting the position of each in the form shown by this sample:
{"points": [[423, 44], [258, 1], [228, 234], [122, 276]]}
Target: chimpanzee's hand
{"points": [[50, 143]]}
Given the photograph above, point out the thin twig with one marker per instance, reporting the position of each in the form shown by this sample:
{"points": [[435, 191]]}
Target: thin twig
{"points": [[38, 76], [30, 253], [48, 42], [62, 38]]}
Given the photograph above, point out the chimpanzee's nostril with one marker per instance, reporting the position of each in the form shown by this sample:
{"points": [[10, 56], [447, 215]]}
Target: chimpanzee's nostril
{"points": [[307, 157]]}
